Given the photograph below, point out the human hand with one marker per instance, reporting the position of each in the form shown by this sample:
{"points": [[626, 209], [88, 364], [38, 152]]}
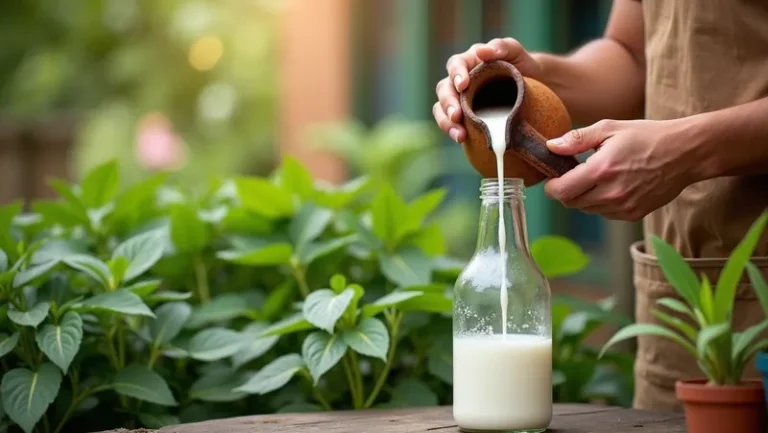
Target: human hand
{"points": [[638, 167], [447, 110]]}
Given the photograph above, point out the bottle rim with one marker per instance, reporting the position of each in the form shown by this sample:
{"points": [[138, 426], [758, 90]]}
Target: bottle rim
{"points": [[513, 188]]}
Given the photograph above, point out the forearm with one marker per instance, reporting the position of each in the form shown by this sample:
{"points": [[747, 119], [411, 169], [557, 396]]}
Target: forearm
{"points": [[601, 80], [728, 142]]}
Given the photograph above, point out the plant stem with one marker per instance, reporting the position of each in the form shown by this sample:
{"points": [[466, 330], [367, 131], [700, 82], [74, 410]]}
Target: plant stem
{"points": [[301, 279], [153, 354], [201, 275], [323, 402], [356, 399], [356, 373], [394, 329], [120, 345], [76, 400]]}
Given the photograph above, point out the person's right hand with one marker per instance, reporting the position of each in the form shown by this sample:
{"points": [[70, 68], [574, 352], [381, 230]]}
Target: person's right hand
{"points": [[447, 110]]}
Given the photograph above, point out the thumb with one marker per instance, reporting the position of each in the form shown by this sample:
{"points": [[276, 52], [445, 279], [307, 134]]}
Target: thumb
{"points": [[579, 140]]}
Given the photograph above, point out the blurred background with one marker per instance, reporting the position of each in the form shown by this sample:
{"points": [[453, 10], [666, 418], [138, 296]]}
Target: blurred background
{"points": [[209, 88]]}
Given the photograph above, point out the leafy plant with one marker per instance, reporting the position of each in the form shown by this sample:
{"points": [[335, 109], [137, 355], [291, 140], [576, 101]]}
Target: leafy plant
{"points": [[701, 320], [150, 306]]}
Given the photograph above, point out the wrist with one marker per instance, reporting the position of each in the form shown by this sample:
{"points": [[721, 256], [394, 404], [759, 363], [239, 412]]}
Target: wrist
{"points": [[698, 157]]}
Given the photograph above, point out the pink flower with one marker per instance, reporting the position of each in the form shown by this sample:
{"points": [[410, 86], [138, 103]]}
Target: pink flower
{"points": [[157, 145]]}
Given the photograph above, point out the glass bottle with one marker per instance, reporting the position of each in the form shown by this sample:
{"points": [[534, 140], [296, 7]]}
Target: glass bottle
{"points": [[502, 382]]}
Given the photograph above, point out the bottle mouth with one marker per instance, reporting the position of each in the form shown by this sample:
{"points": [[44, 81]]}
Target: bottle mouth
{"points": [[513, 188]]}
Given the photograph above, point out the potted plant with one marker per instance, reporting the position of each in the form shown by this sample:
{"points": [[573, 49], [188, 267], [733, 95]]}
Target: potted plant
{"points": [[722, 400]]}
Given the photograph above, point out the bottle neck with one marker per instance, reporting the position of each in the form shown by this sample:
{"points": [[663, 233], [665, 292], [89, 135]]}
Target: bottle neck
{"points": [[514, 216]]}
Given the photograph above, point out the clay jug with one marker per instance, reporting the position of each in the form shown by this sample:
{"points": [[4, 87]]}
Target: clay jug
{"points": [[538, 115]]}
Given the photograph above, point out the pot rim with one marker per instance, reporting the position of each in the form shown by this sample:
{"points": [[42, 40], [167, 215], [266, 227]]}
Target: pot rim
{"points": [[750, 391]]}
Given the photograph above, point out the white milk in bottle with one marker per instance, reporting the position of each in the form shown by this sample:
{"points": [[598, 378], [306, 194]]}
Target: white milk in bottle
{"points": [[502, 382]]}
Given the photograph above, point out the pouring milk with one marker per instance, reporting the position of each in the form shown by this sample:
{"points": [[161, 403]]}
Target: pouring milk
{"points": [[502, 382]]}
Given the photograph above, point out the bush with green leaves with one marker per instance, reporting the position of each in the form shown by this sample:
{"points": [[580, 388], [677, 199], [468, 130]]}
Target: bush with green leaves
{"points": [[701, 319], [149, 305]]}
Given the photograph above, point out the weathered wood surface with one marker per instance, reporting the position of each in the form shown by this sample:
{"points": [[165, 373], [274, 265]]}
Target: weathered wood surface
{"points": [[568, 419]]}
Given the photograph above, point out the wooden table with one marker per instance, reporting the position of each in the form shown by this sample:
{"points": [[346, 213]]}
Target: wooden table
{"points": [[568, 419]]}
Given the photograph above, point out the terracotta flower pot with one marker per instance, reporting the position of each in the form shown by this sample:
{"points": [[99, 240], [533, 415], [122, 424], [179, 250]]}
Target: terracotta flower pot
{"points": [[723, 409]]}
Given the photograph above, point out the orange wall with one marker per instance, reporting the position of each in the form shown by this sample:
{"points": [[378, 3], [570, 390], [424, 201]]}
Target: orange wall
{"points": [[315, 78]]}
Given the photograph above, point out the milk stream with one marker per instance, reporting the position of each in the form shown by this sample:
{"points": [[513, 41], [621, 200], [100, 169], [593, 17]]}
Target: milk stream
{"points": [[496, 120]]}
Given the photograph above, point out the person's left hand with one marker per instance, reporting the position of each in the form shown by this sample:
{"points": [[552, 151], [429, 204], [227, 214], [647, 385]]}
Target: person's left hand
{"points": [[638, 167]]}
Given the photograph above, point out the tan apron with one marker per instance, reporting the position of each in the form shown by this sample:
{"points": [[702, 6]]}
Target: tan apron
{"points": [[702, 55]]}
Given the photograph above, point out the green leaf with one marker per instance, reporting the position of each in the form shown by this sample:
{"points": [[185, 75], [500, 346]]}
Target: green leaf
{"points": [[725, 292], [141, 251], [270, 255], [677, 272], [277, 300], [27, 394], [744, 340], [168, 296], [440, 363], [139, 382], [308, 225], [709, 334], [759, 284], [217, 386], [321, 352], [7, 242], [387, 301], [558, 256], [274, 375], [100, 185], [32, 317], [430, 240], [91, 266], [188, 233], [213, 344], [388, 213], [156, 421], [7, 344], [56, 213], [294, 177], [428, 302], [317, 250], [677, 306], [706, 301], [222, 308], [136, 199], [407, 267], [419, 209], [169, 321], [255, 344], [681, 326], [3, 261], [61, 342], [341, 197], [323, 308], [121, 301], [144, 288], [413, 393], [32, 273], [637, 329], [289, 325], [338, 283], [117, 268], [369, 338], [263, 198]]}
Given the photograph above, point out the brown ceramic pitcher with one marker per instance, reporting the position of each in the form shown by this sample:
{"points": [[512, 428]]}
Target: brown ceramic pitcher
{"points": [[538, 115]]}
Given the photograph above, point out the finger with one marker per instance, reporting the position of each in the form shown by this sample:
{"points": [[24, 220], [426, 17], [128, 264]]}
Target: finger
{"points": [[449, 100], [572, 184], [601, 210], [456, 132], [459, 65], [512, 51], [583, 139]]}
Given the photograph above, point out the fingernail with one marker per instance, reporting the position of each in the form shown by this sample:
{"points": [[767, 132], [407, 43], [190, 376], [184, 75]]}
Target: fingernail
{"points": [[556, 142], [451, 111], [454, 133], [457, 81]]}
